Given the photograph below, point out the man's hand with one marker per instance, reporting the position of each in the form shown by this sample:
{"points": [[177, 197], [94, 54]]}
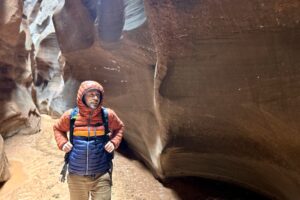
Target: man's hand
{"points": [[109, 147], [67, 147]]}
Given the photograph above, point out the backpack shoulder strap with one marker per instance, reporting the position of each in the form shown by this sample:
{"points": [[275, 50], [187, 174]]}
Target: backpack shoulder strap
{"points": [[73, 117], [104, 115]]}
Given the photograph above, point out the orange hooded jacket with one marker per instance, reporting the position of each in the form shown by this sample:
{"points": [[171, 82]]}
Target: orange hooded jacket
{"points": [[63, 125]]}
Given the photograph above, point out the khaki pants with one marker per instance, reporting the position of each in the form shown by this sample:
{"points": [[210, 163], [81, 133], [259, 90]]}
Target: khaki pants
{"points": [[82, 187]]}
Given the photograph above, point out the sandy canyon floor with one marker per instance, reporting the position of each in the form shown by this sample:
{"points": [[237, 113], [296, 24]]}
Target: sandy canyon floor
{"points": [[35, 164]]}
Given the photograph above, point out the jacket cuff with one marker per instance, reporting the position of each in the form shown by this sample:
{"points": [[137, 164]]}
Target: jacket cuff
{"points": [[114, 143]]}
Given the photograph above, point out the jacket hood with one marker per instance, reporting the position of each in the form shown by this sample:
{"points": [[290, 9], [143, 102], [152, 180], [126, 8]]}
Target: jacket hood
{"points": [[83, 89]]}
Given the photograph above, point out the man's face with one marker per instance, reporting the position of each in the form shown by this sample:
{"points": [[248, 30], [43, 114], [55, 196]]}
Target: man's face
{"points": [[92, 99]]}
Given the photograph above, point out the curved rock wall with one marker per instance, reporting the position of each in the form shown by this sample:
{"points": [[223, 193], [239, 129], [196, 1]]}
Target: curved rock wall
{"points": [[47, 64], [18, 113], [228, 90], [125, 67], [4, 173]]}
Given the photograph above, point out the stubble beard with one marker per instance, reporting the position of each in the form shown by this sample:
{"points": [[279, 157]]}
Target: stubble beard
{"points": [[93, 105]]}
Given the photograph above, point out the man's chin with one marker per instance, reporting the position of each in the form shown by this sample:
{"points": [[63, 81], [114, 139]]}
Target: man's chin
{"points": [[93, 106]]}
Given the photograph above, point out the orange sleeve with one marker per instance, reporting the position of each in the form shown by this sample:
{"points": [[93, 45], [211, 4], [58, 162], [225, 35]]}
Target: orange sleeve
{"points": [[117, 128], [61, 128]]}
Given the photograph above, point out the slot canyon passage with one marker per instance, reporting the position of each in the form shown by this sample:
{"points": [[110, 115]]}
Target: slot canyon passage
{"points": [[207, 89]]}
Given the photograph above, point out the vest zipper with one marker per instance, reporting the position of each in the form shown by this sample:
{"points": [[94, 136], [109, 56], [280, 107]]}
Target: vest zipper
{"points": [[87, 146]]}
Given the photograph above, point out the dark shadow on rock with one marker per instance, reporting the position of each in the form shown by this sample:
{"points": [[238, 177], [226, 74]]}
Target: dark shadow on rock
{"points": [[192, 188], [195, 188], [125, 150], [2, 184], [7, 84]]}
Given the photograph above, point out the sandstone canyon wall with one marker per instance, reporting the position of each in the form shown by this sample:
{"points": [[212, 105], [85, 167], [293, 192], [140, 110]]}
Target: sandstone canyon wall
{"points": [[205, 88], [18, 112], [228, 90]]}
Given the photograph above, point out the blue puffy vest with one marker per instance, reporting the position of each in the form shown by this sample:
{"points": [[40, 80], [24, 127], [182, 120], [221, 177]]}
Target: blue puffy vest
{"points": [[88, 156]]}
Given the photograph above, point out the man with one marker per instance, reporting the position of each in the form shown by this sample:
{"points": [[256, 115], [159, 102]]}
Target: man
{"points": [[90, 152]]}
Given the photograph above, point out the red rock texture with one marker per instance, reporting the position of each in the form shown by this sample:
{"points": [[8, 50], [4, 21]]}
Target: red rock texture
{"points": [[18, 112]]}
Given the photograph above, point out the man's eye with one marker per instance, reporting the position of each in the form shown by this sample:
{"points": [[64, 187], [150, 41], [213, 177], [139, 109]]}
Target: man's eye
{"points": [[93, 95]]}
